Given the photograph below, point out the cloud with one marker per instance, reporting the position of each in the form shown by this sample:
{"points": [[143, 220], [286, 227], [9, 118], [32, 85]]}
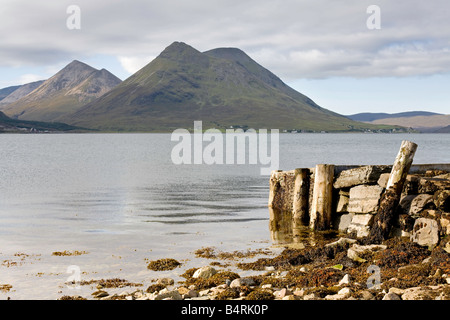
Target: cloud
{"points": [[29, 77], [293, 38]]}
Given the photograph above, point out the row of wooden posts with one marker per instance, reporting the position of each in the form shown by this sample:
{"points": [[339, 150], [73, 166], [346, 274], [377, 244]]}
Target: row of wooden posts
{"points": [[320, 215]]}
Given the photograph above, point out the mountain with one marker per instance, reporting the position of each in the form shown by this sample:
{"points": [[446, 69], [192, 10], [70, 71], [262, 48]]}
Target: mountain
{"points": [[65, 92], [418, 120], [22, 126], [20, 92], [7, 91], [222, 87], [368, 116]]}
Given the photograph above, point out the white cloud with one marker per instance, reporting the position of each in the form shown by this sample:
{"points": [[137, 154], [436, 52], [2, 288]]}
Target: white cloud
{"points": [[293, 38], [29, 77], [133, 64]]}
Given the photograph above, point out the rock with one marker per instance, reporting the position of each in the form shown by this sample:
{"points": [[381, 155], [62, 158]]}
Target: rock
{"points": [[425, 232], [344, 280], [364, 199], [165, 281], [356, 252], [361, 224], [420, 293], [341, 242], [442, 200], [204, 292], [391, 296], [342, 204], [204, 272], [343, 221], [366, 295], [431, 185], [397, 291], [280, 294], [359, 175], [236, 283], [383, 180], [290, 297], [445, 224], [187, 293], [310, 296], [299, 292], [414, 204], [165, 293], [100, 294], [447, 247], [342, 294]]}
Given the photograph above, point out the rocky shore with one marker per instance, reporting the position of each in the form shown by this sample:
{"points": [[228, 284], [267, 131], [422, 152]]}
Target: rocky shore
{"points": [[343, 269]]}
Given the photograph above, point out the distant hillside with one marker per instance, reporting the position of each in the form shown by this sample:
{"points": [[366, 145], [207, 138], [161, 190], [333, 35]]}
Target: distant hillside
{"points": [[368, 116], [443, 130], [222, 87], [65, 92], [7, 91], [8, 125], [418, 120], [20, 92]]}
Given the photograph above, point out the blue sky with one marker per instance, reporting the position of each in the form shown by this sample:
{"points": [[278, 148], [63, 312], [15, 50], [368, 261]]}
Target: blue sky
{"points": [[322, 48]]}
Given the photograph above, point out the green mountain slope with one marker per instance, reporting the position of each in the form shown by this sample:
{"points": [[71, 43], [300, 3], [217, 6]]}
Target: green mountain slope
{"points": [[22, 126], [221, 87]]}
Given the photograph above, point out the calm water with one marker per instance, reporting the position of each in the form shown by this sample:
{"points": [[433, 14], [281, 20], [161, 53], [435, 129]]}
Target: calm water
{"points": [[120, 198]]}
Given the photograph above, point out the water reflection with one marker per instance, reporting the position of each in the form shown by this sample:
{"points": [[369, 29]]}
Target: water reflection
{"points": [[285, 231]]}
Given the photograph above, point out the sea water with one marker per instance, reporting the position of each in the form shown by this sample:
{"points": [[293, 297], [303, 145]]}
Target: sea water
{"points": [[121, 200]]}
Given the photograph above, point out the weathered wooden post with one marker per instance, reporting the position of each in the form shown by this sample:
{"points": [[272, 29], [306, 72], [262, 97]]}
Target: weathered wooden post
{"points": [[301, 198], [391, 197], [321, 207]]}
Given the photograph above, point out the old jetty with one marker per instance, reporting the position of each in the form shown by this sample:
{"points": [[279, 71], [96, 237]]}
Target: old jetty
{"points": [[373, 202]]}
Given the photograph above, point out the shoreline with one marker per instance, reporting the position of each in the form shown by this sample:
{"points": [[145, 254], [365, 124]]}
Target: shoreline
{"points": [[340, 269]]}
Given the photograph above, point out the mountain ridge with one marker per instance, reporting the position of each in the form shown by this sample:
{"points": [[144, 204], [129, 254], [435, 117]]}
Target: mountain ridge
{"points": [[66, 91], [422, 121], [223, 87]]}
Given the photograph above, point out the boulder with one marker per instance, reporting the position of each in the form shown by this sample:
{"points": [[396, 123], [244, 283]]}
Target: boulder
{"points": [[414, 204], [445, 224], [342, 204], [431, 185], [425, 232], [391, 296], [356, 252], [361, 224], [204, 272], [168, 294], [359, 175], [364, 199], [383, 180], [237, 283], [343, 221], [442, 200]]}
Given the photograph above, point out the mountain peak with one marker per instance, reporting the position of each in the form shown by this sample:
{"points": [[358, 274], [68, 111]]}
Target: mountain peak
{"points": [[69, 89], [234, 54], [180, 51]]}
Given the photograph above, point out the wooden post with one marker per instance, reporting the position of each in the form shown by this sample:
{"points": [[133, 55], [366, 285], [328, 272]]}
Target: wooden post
{"points": [[321, 206], [274, 186], [301, 198], [391, 197]]}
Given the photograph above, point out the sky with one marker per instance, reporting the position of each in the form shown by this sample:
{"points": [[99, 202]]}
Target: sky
{"points": [[349, 56]]}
